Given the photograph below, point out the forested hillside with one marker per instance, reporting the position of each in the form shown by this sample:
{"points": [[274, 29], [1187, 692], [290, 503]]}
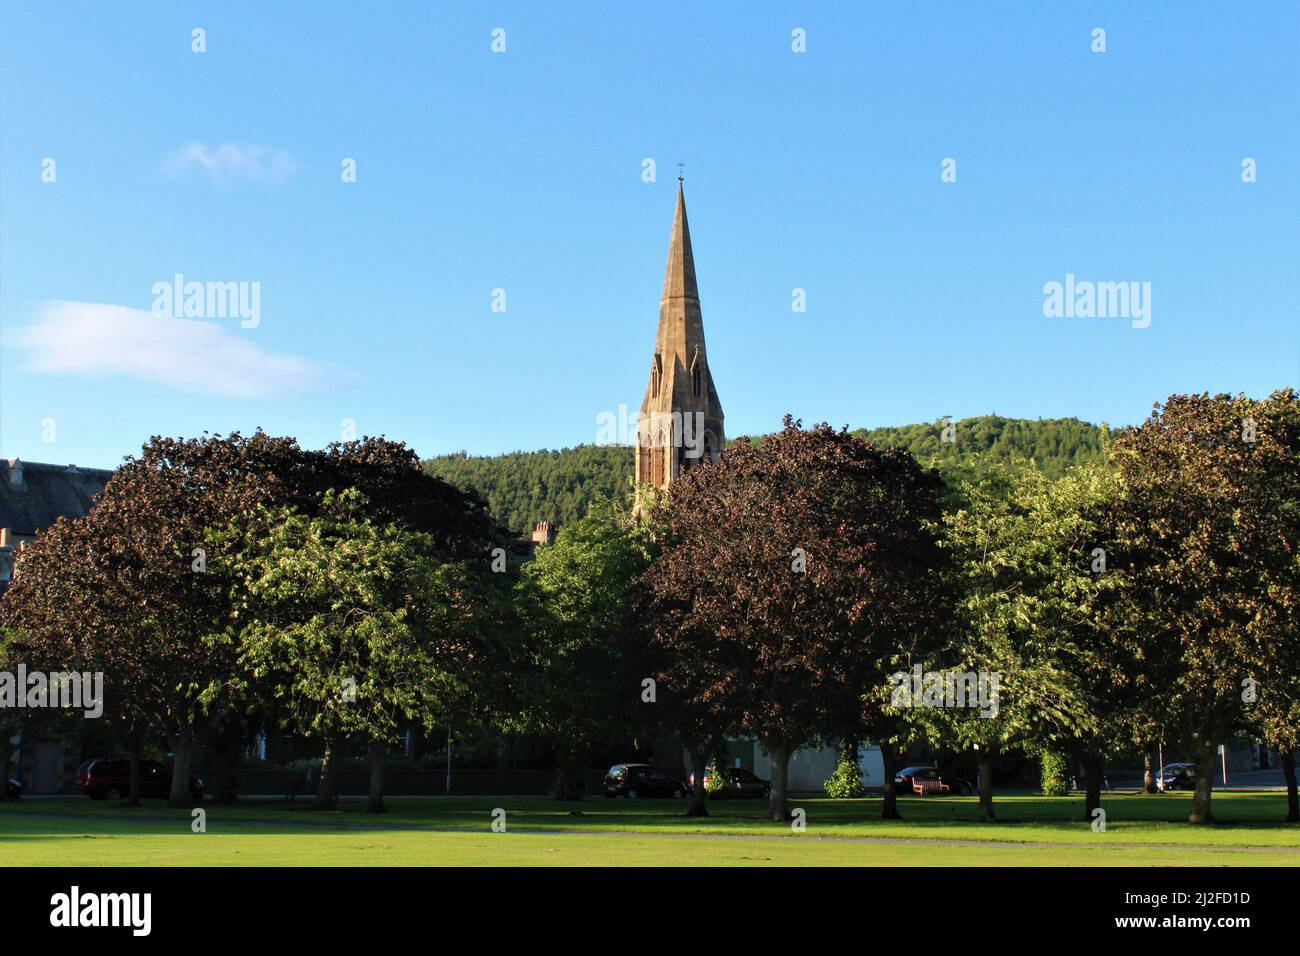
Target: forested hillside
{"points": [[1055, 443], [522, 488]]}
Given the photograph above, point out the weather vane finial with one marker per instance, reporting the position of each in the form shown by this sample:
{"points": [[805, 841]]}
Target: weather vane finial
{"points": [[681, 172]]}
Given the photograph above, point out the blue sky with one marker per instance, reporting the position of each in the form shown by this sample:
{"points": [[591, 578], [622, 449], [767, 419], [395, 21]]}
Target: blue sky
{"points": [[522, 171]]}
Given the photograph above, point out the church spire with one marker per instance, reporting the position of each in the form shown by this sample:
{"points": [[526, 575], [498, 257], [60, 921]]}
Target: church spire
{"points": [[681, 420], [679, 276]]}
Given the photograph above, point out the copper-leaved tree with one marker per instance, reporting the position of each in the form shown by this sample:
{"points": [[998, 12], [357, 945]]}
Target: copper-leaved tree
{"points": [[788, 576], [1211, 524], [126, 589]]}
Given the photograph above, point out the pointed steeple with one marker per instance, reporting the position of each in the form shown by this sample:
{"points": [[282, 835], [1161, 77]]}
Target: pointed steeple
{"points": [[679, 276], [681, 417], [679, 343]]}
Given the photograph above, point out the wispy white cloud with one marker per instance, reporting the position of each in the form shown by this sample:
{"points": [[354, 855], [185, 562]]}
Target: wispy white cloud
{"points": [[99, 340], [227, 162]]}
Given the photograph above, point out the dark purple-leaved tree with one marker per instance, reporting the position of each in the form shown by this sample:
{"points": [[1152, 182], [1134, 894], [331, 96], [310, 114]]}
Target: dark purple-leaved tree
{"points": [[786, 578]]}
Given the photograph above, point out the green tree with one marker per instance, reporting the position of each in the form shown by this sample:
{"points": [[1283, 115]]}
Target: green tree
{"points": [[1057, 776], [578, 589], [354, 627], [1094, 615], [1211, 525], [846, 782], [1023, 551]]}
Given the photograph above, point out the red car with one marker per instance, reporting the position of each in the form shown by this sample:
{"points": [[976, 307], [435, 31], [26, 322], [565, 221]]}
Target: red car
{"points": [[111, 779]]}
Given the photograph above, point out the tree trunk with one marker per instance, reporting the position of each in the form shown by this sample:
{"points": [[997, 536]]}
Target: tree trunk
{"points": [[778, 800], [1148, 770], [699, 796], [889, 758], [1288, 772], [376, 802], [1092, 770], [1201, 812], [5, 762], [327, 789], [985, 764], [225, 742], [227, 783], [182, 746], [570, 774], [133, 742], [274, 742]]}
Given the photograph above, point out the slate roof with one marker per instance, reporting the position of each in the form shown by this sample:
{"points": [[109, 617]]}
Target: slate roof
{"points": [[46, 493]]}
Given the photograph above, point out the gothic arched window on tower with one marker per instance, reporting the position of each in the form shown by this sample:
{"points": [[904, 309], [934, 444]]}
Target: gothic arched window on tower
{"points": [[656, 375], [696, 369]]}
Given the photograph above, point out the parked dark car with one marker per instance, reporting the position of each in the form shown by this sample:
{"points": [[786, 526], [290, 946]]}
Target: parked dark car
{"points": [[13, 789], [1178, 776], [642, 780], [111, 780], [740, 783], [904, 779]]}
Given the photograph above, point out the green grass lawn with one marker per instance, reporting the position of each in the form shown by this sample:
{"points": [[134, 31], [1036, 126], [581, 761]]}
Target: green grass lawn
{"points": [[1141, 830]]}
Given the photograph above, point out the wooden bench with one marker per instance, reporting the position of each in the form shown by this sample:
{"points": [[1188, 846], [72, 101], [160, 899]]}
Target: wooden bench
{"points": [[923, 788]]}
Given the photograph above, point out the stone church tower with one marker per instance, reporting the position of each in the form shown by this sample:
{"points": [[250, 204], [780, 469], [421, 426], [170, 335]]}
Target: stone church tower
{"points": [[681, 418]]}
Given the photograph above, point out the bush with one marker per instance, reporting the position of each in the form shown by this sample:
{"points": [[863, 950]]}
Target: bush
{"points": [[846, 782], [569, 782], [717, 782], [1058, 780]]}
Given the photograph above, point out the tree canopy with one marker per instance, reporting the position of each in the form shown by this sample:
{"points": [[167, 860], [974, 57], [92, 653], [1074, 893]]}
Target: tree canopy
{"points": [[786, 576], [1210, 522]]}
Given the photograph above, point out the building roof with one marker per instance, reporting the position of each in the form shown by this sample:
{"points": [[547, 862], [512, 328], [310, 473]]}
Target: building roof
{"points": [[33, 494]]}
